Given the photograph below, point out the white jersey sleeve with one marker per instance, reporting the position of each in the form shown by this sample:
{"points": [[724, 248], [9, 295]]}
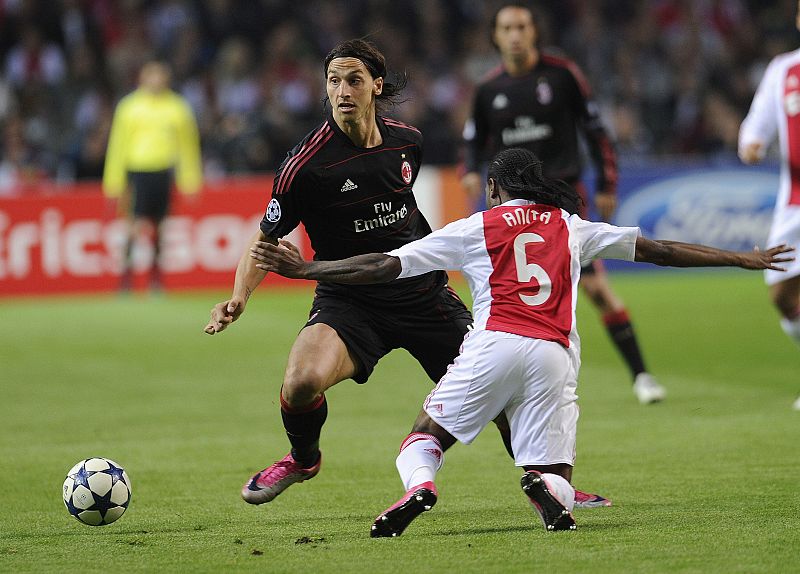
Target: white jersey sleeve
{"points": [[441, 250], [761, 123], [597, 240]]}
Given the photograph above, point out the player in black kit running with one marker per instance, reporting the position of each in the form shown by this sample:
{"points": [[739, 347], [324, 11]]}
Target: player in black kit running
{"points": [[541, 102], [350, 183]]}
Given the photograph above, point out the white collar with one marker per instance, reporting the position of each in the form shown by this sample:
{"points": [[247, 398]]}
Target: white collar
{"points": [[515, 202]]}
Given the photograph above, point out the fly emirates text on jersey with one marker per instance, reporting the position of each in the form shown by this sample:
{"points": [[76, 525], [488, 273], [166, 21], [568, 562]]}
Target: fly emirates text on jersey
{"points": [[385, 216]]}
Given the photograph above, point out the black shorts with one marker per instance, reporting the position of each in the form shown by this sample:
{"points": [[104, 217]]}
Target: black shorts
{"points": [[150, 193], [432, 331]]}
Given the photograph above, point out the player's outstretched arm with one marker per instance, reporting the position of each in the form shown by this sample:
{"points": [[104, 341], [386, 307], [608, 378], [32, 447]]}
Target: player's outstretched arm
{"points": [[677, 254], [248, 277], [285, 259]]}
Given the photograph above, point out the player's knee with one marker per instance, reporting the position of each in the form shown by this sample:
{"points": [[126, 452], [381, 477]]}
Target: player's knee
{"points": [[786, 301], [601, 295], [425, 424], [300, 390], [596, 294]]}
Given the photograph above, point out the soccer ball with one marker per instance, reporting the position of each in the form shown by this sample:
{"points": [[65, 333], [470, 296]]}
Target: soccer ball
{"points": [[97, 491]]}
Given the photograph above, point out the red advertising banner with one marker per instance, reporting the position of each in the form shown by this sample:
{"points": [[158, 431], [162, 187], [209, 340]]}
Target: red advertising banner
{"points": [[72, 241]]}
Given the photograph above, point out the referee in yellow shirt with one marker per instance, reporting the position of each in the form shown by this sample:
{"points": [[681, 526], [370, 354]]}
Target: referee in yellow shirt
{"points": [[153, 137]]}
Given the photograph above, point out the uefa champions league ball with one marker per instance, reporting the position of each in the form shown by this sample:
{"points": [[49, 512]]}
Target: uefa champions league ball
{"points": [[97, 491]]}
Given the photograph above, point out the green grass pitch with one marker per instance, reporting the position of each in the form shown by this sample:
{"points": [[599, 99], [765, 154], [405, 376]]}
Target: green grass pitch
{"points": [[705, 482]]}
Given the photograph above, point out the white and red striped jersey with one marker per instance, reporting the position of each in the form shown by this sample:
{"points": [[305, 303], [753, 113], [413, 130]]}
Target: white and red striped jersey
{"points": [[776, 109], [523, 262]]}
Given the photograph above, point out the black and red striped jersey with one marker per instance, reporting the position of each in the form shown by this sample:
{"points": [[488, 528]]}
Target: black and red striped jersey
{"points": [[542, 111], [353, 200]]}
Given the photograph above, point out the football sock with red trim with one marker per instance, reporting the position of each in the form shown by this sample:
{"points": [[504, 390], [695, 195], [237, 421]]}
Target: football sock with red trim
{"points": [[621, 331], [303, 427], [420, 458]]}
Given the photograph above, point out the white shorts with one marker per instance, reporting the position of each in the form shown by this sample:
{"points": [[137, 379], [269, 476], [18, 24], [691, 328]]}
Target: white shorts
{"points": [[785, 229], [532, 380]]}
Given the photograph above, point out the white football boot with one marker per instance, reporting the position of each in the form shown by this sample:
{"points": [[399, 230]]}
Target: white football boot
{"points": [[647, 389]]}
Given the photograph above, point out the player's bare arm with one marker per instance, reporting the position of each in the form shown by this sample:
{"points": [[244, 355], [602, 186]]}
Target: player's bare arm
{"points": [[677, 254], [248, 277], [472, 183], [606, 204], [285, 259]]}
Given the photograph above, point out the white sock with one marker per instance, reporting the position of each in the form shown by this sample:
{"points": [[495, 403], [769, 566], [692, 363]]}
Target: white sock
{"points": [[420, 457], [792, 328]]}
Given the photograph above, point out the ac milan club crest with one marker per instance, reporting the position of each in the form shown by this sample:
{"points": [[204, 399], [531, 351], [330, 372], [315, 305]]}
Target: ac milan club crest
{"points": [[405, 172]]}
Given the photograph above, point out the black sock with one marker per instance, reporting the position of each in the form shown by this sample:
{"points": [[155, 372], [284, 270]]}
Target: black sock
{"points": [[155, 270], [622, 334], [126, 277], [155, 277], [303, 429]]}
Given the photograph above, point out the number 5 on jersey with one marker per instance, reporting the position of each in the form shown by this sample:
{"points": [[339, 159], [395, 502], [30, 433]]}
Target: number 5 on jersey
{"points": [[527, 271]]}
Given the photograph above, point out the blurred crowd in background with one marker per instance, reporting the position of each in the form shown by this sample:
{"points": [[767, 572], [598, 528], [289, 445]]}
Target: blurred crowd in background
{"points": [[672, 77]]}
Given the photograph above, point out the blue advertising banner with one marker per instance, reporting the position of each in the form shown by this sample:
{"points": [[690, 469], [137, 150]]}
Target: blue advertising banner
{"points": [[729, 207]]}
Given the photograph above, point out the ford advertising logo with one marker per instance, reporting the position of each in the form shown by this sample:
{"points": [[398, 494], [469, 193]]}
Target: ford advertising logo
{"points": [[729, 208]]}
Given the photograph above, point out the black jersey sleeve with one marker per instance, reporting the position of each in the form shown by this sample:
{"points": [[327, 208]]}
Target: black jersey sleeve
{"points": [[476, 132], [420, 151], [597, 139], [283, 210]]}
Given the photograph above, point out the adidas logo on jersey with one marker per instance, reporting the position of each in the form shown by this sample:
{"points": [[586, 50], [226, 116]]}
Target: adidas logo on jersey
{"points": [[500, 102], [349, 186]]}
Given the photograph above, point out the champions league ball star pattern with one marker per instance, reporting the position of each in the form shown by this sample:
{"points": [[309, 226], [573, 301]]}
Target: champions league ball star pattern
{"points": [[97, 491]]}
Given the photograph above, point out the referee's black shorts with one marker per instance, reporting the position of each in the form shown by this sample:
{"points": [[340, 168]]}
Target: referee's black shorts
{"points": [[431, 331], [150, 193]]}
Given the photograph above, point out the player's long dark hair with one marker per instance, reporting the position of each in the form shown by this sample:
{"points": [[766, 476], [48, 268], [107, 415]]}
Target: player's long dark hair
{"points": [[375, 63], [519, 172]]}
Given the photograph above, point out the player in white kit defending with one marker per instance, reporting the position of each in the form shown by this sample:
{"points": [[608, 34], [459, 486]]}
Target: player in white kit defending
{"points": [[522, 259], [776, 108]]}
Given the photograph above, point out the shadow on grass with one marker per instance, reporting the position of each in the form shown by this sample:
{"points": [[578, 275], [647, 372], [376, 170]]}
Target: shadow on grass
{"points": [[469, 531], [590, 527], [86, 530]]}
